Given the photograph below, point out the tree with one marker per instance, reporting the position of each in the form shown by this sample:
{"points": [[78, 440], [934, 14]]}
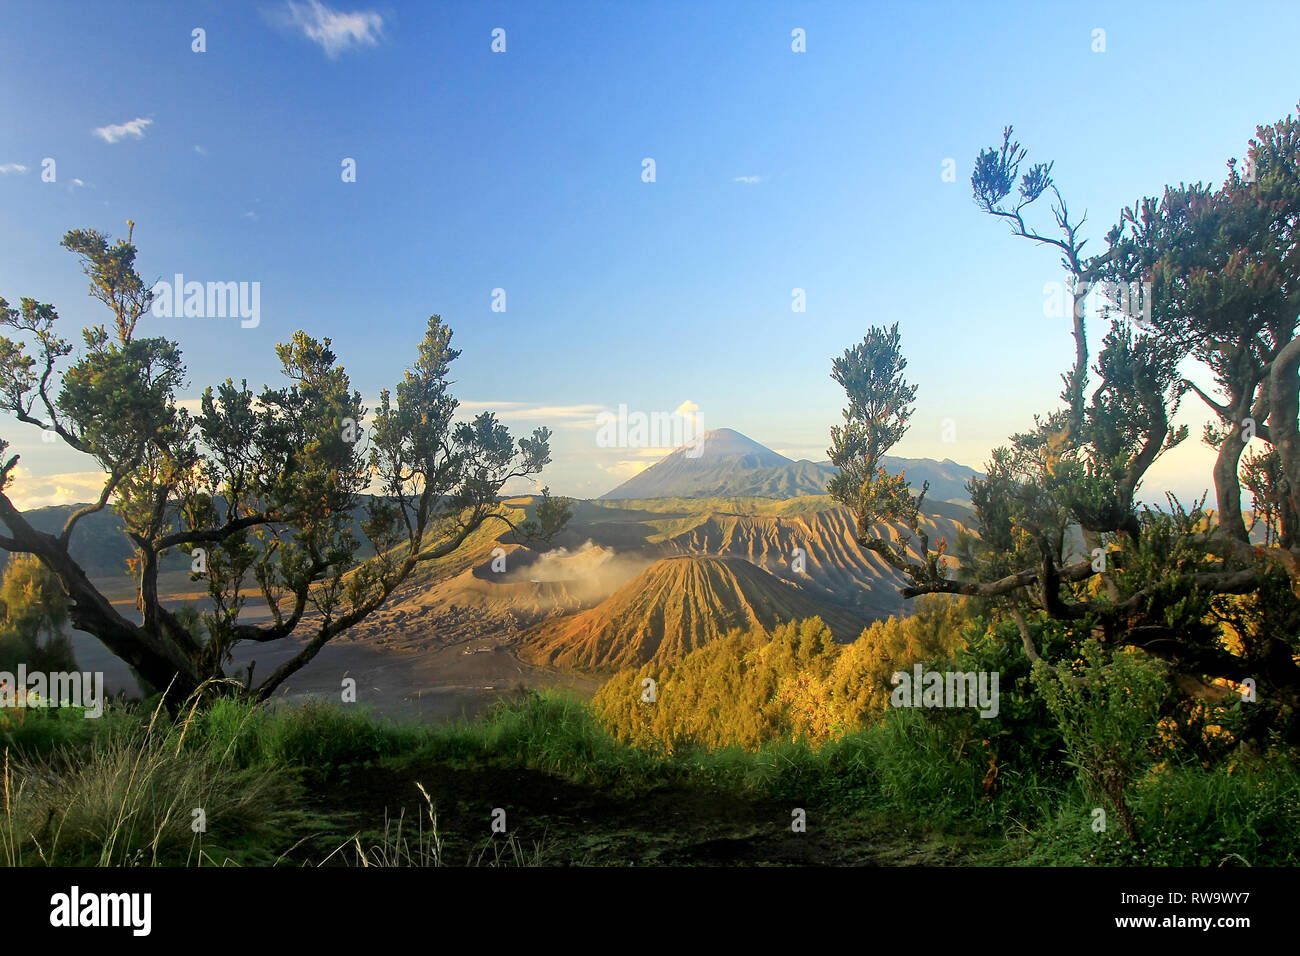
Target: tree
{"points": [[33, 598], [1224, 266], [264, 491], [880, 405], [1213, 277], [553, 516], [35, 610]]}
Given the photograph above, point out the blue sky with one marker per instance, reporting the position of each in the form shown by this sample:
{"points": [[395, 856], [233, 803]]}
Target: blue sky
{"points": [[522, 171]]}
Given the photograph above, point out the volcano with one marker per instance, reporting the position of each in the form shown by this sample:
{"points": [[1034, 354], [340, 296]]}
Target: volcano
{"points": [[674, 606], [723, 463]]}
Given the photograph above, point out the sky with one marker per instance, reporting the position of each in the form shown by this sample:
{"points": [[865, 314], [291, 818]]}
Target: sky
{"points": [[822, 147]]}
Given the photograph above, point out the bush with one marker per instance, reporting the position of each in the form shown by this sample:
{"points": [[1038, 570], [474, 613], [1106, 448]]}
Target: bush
{"points": [[1236, 813], [1107, 709], [316, 736], [34, 733]]}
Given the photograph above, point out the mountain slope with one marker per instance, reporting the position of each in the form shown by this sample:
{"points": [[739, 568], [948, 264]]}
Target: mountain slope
{"points": [[673, 607], [833, 570], [724, 463]]}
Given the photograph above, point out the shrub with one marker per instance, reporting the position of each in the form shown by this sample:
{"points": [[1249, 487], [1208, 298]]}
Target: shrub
{"points": [[1106, 708]]}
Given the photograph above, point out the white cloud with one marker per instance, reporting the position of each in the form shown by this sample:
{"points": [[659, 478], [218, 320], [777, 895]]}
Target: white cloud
{"points": [[655, 453], [624, 470], [748, 180], [120, 131], [201, 150], [249, 215], [38, 491], [8, 168], [570, 416], [333, 30]]}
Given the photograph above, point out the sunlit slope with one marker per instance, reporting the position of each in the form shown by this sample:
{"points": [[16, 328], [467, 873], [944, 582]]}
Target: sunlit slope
{"points": [[673, 607], [829, 564], [679, 605]]}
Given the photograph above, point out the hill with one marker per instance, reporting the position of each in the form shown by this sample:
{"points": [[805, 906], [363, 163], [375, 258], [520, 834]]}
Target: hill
{"points": [[671, 608], [98, 543], [835, 569], [724, 463], [609, 543]]}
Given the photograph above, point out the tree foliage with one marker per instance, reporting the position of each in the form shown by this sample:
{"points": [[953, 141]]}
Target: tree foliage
{"points": [[552, 515], [35, 610], [749, 688], [1202, 279], [270, 491]]}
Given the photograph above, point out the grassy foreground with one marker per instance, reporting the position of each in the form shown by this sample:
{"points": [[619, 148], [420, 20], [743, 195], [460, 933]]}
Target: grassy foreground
{"points": [[327, 785]]}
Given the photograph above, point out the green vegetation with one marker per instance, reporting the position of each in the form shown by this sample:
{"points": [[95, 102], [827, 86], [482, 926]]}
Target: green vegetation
{"points": [[748, 689], [34, 610], [134, 794], [741, 732], [1202, 277], [1107, 712], [261, 487], [552, 514], [323, 785], [1151, 680]]}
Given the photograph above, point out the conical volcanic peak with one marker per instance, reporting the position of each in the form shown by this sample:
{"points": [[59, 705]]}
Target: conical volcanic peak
{"points": [[723, 463], [708, 465], [727, 444]]}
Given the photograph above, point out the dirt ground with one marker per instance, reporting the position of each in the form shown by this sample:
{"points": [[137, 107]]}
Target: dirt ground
{"points": [[436, 679], [551, 821]]}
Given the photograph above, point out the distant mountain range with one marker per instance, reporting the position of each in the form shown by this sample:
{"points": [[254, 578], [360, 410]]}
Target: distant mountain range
{"points": [[725, 463], [98, 543]]}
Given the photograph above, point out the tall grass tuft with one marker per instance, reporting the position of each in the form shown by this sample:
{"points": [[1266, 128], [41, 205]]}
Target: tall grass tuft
{"points": [[148, 796], [396, 848]]}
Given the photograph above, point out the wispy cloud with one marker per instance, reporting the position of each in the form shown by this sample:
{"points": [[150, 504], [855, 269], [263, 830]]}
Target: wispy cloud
{"points": [[334, 31], [39, 491], [748, 180], [624, 470], [201, 150], [135, 129], [571, 416], [8, 169]]}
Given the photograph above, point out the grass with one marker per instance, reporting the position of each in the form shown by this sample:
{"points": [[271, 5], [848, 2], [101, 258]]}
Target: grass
{"points": [[316, 737], [40, 732], [395, 846], [322, 784], [141, 795]]}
